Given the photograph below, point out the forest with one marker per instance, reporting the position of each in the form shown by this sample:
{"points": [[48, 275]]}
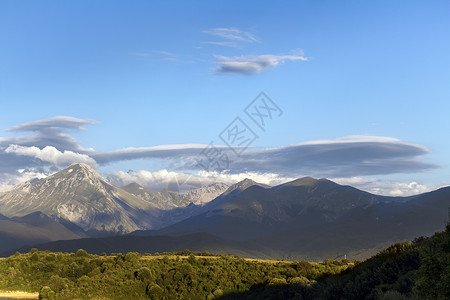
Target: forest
{"points": [[410, 270]]}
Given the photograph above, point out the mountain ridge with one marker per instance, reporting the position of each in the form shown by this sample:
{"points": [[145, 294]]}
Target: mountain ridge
{"points": [[294, 219]]}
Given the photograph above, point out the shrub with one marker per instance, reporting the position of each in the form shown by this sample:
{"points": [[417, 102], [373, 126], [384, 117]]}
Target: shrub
{"points": [[277, 281], [144, 274], [34, 257], [45, 292], [131, 257], [57, 283], [154, 291], [84, 281], [303, 281], [218, 292], [82, 253]]}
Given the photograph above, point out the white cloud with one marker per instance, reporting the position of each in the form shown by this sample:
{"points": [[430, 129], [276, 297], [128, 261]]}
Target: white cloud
{"points": [[179, 181], [157, 180], [251, 64], [52, 155], [271, 179], [385, 187], [8, 182]]}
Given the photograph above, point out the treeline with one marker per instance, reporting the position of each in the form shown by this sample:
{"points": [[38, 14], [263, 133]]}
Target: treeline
{"points": [[415, 270]]}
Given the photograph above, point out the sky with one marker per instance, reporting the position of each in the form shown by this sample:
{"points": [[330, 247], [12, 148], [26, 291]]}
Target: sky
{"points": [[183, 93]]}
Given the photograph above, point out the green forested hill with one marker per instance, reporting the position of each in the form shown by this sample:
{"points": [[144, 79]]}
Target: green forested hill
{"points": [[420, 269], [133, 276]]}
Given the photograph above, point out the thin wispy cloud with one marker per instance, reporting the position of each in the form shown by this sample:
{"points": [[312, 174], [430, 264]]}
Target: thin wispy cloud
{"points": [[162, 55], [252, 64], [224, 44], [168, 56], [232, 34], [140, 54]]}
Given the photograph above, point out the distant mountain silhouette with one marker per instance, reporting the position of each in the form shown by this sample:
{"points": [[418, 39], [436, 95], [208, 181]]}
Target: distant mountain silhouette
{"points": [[317, 218]]}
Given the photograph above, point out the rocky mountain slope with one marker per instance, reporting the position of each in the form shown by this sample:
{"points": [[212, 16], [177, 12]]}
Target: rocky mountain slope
{"points": [[167, 199], [205, 194], [79, 195], [77, 202]]}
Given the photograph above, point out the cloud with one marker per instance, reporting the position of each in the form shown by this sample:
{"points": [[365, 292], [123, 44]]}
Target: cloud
{"points": [[224, 44], [55, 122], [47, 145], [169, 56], [52, 132], [158, 180], [179, 181], [140, 54], [48, 132], [385, 187], [187, 152], [233, 34], [251, 64], [52, 155], [341, 157], [8, 181]]}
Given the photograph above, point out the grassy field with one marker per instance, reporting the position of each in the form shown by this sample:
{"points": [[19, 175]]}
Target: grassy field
{"points": [[18, 295]]}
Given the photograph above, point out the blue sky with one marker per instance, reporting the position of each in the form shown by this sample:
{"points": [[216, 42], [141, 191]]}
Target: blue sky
{"points": [[372, 76]]}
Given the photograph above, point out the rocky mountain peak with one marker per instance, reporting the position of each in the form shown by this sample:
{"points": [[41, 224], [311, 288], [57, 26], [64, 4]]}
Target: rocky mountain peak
{"points": [[205, 193], [245, 184], [78, 194]]}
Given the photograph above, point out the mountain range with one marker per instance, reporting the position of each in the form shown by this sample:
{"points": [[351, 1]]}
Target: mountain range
{"points": [[303, 219]]}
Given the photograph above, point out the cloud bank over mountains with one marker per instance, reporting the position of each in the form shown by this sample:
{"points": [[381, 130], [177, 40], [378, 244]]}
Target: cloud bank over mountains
{"points": [[44, 146]]}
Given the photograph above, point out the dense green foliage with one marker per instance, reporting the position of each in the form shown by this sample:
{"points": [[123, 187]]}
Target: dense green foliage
{"points": [[416, 270], [420, 269], [135, 276]]}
